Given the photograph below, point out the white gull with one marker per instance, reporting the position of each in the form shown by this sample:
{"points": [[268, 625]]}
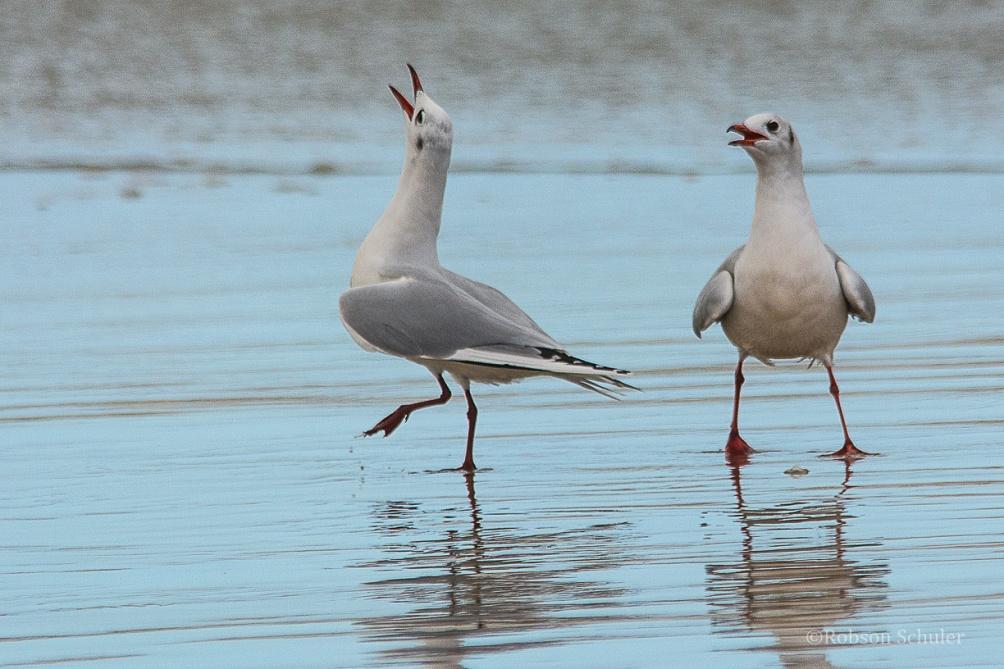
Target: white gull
{"points": [[783, 294], [402, 302]]}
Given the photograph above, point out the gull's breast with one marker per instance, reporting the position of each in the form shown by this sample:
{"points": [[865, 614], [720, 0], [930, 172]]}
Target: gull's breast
{"points": [[786, 313]]}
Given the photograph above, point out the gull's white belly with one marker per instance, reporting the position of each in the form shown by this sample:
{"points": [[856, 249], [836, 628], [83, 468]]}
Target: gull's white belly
{"points": [[478, 373], [786, 315]]}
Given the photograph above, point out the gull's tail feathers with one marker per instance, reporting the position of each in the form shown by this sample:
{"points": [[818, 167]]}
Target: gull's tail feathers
{"points": [[551, 362], [608, 386]]}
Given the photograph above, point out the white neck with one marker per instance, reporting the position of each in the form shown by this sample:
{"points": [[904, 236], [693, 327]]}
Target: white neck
{"points": [[406, 232], [782, 208], [416, 209]]}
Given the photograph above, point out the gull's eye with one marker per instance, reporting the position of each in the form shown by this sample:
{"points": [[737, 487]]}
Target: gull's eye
{"points": [[772, 126], [420, 117]]}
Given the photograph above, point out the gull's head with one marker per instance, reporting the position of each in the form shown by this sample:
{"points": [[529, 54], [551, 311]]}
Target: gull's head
{"points": [[766, 137], [428, 127]]}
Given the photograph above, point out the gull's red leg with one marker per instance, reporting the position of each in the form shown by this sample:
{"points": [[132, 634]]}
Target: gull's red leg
{"points": [[393, 420], [737, 451], [849, 450], [472, 420]]}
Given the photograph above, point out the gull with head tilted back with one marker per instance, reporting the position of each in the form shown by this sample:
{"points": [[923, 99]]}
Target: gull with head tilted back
{"points": [[402, 302], [783, 294]]}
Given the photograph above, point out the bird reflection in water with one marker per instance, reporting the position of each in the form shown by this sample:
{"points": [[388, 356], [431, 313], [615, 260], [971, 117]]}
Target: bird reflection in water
{"points": [[795, 576], [480, 581]]}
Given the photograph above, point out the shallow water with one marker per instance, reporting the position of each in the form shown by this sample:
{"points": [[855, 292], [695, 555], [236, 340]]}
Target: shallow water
{"points": [[182, 482]]}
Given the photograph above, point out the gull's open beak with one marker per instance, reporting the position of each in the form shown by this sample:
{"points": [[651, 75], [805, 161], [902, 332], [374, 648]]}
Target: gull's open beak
{"points": [[406, 106], [750, 137]]}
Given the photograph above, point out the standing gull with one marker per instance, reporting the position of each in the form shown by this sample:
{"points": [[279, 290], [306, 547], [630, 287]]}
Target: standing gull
{"points": [[402, 302], [783, 294]]}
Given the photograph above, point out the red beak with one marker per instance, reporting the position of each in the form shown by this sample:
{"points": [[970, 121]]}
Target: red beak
{"points": [[416, 83], [750, 137], [406, 106]]}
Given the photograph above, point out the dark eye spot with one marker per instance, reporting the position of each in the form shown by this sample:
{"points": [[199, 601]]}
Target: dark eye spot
{"points": [[772, 126], [420, 117], [419, 143]]}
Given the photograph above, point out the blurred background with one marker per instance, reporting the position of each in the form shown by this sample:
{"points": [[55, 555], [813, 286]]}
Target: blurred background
{"points": [[295, 86]]}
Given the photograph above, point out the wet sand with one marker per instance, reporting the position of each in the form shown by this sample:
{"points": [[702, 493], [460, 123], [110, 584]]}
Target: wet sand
{"points": [[182, 483]]}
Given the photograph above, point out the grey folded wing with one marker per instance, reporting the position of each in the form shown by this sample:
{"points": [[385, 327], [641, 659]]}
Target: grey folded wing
{"points": [[857, 294], [429, 317], [495, 300], [716, 297]]}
